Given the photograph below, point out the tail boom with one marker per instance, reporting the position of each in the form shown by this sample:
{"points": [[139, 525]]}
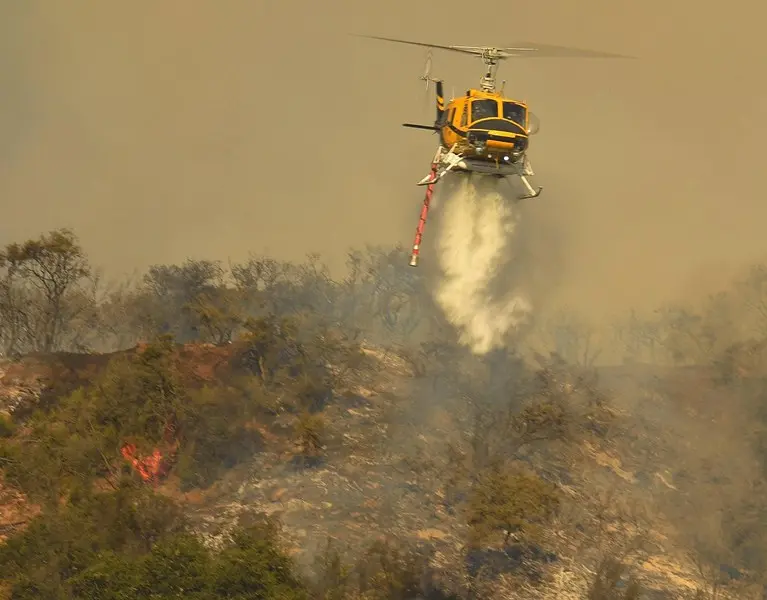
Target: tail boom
{"points": [[440, 99]]}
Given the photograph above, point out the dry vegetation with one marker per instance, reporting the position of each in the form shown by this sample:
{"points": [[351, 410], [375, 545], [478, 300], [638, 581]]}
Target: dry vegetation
{"points": [[261, 430]]}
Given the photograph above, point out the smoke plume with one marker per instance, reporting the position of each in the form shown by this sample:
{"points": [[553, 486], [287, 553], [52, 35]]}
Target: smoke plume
{"points": [[478, 291]]}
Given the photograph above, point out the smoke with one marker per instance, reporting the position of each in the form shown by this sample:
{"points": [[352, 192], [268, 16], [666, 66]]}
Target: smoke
{"points": [[478, 291]]}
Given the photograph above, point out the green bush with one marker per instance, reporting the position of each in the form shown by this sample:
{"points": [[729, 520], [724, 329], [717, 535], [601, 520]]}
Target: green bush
{"points": [[132, 543], [7, 426], [510, 501], [138, 399]]}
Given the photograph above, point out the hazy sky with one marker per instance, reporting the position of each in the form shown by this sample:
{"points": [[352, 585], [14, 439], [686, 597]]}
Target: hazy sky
{"points": [[171, 128]]}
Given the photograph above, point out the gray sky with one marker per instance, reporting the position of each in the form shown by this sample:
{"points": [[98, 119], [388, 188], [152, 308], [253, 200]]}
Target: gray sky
{"points": [[161, 130]]}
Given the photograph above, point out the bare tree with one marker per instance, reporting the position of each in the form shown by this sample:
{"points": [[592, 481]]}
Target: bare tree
{"points": [[43, 289], [397, 292], [752, 290], [571, 337]]}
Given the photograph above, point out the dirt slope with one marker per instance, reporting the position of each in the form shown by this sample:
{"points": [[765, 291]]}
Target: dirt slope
{"points": [[387, 460]]}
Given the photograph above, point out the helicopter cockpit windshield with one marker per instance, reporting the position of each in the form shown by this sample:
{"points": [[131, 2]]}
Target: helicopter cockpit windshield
{"points": [[515, 112], [483, 109]]}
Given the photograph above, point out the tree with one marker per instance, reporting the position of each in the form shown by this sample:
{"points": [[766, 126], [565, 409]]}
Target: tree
{"points": [[398, 292], [132, 543], [218, 314], [310, 434], [39, 289], [511, 501], [215, 435], [67, 539], [683, 335], [262, 284], [16, 330], [571, 337], [181, 299], [606, 584], [254, 566], [637, 337], [752, 292]]}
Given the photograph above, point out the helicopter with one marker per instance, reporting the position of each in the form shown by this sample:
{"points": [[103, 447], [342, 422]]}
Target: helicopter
{"points": [[484, 131]]}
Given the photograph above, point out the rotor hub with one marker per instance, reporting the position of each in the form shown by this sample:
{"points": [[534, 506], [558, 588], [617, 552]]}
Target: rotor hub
{"points": [[491, 57]]}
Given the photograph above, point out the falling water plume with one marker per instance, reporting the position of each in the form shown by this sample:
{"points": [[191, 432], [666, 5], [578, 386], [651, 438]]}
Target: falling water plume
{"points": [[477, 291]]}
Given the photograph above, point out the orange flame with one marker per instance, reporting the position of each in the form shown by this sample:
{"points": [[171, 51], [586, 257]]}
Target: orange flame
{"points": [[153, 467], [150, 468]]}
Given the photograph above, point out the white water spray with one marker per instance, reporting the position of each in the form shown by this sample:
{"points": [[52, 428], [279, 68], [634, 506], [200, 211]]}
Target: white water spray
{"points": [[474, 244]]}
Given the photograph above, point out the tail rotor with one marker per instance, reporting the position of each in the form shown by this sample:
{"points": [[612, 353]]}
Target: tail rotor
{"points": [[426, 77], [427, 70]]}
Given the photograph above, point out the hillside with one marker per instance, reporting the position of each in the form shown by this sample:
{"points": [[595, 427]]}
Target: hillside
{"points": [[388, 462], [352, 448]]}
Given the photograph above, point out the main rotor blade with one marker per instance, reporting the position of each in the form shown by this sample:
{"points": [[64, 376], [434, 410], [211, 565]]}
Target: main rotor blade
{"points": [[462, 49], [516, 50], [532, 50]]}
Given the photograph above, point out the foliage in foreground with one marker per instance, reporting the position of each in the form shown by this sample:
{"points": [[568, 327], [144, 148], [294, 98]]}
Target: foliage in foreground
{"points": [[132, 543]]}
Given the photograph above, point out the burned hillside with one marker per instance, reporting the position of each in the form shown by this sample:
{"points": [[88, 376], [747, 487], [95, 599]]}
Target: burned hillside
{"points": [[336, 437]]}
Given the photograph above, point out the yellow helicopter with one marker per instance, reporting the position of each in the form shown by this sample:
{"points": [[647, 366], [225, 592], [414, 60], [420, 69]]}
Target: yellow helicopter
{"points": [[484, 131]]}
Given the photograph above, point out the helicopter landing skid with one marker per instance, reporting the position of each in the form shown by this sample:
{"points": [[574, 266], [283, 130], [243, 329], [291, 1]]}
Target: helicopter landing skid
{"points": [[531, 192], [448, 160], [524, 173]]}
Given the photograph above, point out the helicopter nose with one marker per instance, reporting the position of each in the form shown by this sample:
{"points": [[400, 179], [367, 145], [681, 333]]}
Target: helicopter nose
{"points": [[477, 137]]}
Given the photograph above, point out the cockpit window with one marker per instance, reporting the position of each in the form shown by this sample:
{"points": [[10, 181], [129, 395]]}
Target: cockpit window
{"points": [[483, 109], [514, 112]]}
